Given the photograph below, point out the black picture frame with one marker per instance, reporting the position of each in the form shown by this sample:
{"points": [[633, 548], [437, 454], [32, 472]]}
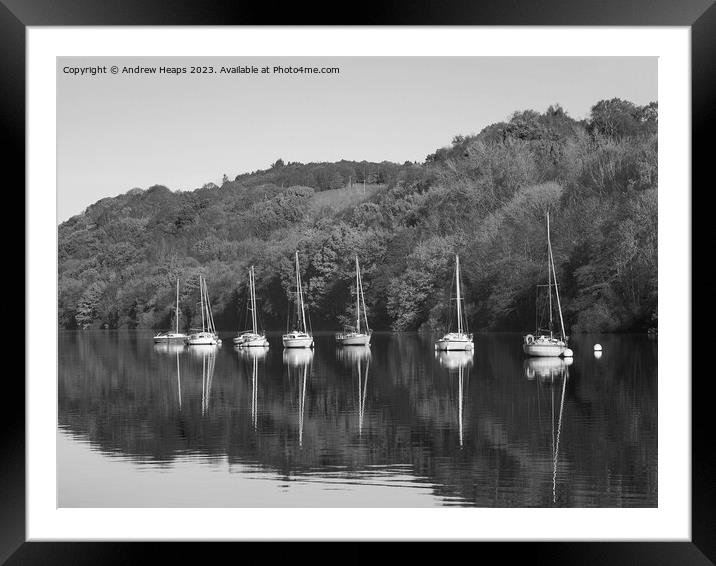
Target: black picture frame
{"points": [[17, 15]]}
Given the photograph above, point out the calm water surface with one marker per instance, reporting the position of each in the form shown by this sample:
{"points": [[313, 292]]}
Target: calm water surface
{"points": [[395, 425]]}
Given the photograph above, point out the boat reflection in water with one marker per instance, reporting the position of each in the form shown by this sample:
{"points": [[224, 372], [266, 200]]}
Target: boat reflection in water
{"points": [[174, 349], [298, 361], [458, 362], [358, 359], [551, 371], [546, 369], [252, 356], [207, 354], [169, 347], [350, 355]]}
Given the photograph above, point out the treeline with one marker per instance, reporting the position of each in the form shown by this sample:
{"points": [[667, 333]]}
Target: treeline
{"points": [[485, 197], [322, 176]]}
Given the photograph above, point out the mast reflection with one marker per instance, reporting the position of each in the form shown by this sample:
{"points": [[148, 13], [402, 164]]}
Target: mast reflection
{"points": [[297, 361], [458, 362], [253, 356], [356, 357], [207, 354], [548, 372], [168, 348]]}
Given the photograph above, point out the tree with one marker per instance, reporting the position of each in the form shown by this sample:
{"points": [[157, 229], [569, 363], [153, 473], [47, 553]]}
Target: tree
{"points": [[614, 118], [86, 312]]}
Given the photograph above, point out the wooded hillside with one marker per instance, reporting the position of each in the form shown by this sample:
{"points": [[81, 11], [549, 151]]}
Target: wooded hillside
{"points": [[484, 196]]}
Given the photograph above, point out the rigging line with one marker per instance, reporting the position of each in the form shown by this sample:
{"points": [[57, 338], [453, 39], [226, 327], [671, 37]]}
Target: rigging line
{"points": [[211, 313], [362, 298], [450, 299], [463, 303], [556, 291]]}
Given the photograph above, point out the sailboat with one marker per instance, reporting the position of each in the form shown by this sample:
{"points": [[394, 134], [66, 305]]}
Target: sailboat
{"points": [[169, 336], [299, 336], [352, 336], [460, 340], [252, 337], [207, 336], [545, 342]]}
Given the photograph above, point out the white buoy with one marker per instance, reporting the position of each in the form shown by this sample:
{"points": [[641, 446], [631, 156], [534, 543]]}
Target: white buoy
{"points": [[597, 347], [568, 353], [597, 354], [568, 361]]}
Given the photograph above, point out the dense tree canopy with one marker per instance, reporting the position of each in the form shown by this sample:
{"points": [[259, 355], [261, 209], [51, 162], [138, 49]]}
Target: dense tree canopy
{"points": [[485, 197]]}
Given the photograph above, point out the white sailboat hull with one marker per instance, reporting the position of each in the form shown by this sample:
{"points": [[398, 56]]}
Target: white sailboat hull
{"points": [[455, 341], [548, 348], [297, 341], [355, 339], [202, 339], [254, 342], [446, 345]]}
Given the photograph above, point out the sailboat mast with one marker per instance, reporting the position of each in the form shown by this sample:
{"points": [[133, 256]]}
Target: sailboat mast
{"points": [[357, 297], [177, 308], [459, 309], [252, 288], [556, 289], [362, 298], [209, 316], [201, 301], [549, 276], [206, 306], [300, 295]]}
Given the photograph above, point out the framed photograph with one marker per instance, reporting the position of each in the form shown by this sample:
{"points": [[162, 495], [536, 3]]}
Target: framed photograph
{"points": [[403, 280]]}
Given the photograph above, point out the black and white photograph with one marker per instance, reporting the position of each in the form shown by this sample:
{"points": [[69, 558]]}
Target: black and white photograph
{"points": [[325, 282]]}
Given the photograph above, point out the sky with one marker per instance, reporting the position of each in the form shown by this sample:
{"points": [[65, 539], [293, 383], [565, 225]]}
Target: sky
{"points": [[118, 132]]}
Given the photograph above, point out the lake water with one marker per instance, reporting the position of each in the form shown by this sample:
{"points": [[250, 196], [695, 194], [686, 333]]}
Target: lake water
{"points": [[395, 425]]}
